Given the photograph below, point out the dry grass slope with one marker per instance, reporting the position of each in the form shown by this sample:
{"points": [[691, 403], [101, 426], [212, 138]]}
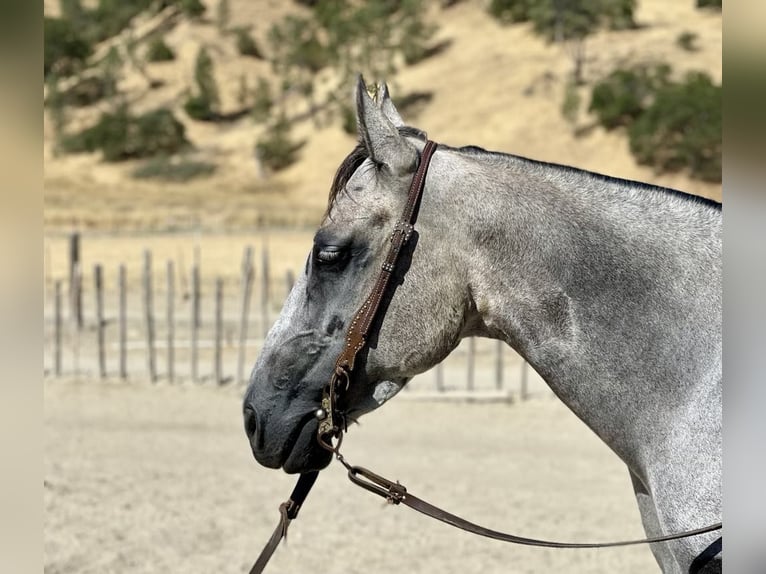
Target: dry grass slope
{"points": [[494, 86]]}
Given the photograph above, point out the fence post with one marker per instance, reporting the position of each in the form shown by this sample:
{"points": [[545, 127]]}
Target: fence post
{"points": [[98, 282], [171, 293], [265, 291], [149, 316], [57, 328], [439, 378], [75, 286], [218, 330], [524, 373], [499, 364], [247, 287], [196, 266], [195, 295], [123, 327], [471, 362], [74, 295]]}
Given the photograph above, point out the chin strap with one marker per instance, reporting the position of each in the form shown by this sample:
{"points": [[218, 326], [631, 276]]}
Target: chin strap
{"points": [[288, 511]]}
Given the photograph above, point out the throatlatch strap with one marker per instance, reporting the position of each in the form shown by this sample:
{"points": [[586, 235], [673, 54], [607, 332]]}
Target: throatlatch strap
{"points": [[288, 511]]}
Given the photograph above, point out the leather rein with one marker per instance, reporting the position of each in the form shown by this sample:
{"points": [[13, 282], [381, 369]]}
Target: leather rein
{"points": [[332, 422]]}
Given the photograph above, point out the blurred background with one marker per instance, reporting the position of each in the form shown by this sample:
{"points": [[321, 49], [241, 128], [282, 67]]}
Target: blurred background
{"points": [[189, 147]]}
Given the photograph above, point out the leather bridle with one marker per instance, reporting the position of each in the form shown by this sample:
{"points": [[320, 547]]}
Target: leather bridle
{"points": [[332, 422]]}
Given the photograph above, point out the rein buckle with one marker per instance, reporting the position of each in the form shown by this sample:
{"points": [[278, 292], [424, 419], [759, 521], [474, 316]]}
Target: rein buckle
{"points": [[393, 492]]}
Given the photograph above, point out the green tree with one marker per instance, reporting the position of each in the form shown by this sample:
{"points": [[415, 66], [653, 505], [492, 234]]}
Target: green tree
{"points": [[204, 104], [57, 110], [567, 22], [120, 135], [159, 51], [509, 11], [112, 69], [73, 11], [192, 8], [262, 101], [65, 48], [716, 4], [346, 37], [622, 96], [276, 149], [682, 128], [223, 15], [246, 45]]}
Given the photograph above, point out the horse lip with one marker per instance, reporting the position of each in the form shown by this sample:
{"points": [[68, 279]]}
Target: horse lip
{"points": [[294, 436], [311, 456]]}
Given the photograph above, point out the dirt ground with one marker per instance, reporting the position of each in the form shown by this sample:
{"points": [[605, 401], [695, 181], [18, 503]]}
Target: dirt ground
{"points": [[146, 478]]}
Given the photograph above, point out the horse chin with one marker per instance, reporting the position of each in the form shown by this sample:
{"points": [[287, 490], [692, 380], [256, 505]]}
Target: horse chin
{"points": [[306, 454]]}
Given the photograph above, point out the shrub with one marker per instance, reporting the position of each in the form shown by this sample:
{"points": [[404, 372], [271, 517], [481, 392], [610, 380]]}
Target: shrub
{"points": [[682, 128], [164, 168], [509, 11], [198, 108], [623, 95], [192, 8], [88, 91], [246, 45], [159, 51], [262, 101], [110, 17], [710, 4], [687, 41], [204, 104], [618, 15], [120, 135], [64, 47], [223, 15], [275, 149]]}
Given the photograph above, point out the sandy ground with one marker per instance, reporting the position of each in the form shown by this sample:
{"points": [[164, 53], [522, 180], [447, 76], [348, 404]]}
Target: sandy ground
{"points": [[142, 478]]}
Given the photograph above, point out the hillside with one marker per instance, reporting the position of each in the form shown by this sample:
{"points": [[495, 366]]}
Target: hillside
{"points": [[499, 87]]}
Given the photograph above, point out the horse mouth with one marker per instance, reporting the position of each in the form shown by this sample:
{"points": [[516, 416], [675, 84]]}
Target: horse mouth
{"points": [[304, 453]]}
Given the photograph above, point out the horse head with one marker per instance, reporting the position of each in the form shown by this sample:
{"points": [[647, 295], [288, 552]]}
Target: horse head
{"points": [[423, 313]]}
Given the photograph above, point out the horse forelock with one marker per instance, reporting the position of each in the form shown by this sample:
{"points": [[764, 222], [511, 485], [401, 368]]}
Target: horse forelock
{"points": [[351, 163]]}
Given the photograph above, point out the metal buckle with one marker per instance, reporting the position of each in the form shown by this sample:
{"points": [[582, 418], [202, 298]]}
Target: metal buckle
{"points": [[332, 423], [403, 228], [393, 492]]}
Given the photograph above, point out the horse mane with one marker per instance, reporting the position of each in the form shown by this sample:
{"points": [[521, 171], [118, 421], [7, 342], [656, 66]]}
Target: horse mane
{"points": [[352, 162], [359, 154]]}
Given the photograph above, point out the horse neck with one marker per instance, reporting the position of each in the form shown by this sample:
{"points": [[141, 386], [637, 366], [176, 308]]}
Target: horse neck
{"points": [[609, 290]]}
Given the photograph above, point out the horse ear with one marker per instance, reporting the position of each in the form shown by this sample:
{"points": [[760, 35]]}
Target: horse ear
{"points": [[381, 137], [387, 105]]}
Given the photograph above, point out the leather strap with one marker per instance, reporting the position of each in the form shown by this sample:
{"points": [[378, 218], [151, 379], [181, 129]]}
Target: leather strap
{"points": [[356, 337], [396, 493], [288, 511]]}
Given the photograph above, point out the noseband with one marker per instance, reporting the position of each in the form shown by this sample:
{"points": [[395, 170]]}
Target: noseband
{"points": [[332, 421]]}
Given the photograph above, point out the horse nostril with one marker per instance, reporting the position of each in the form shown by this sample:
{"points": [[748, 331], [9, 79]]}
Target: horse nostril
{"points": [[251, 422]]}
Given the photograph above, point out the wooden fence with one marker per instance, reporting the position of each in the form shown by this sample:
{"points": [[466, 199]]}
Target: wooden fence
{"points": [[188, 330]]}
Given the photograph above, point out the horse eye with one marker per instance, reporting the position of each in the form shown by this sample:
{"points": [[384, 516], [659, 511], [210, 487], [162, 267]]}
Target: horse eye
{"points": [[329, 254]]}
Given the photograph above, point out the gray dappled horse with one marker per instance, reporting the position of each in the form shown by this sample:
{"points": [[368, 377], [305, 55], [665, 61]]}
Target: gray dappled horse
{"points": [[610, 289]]}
